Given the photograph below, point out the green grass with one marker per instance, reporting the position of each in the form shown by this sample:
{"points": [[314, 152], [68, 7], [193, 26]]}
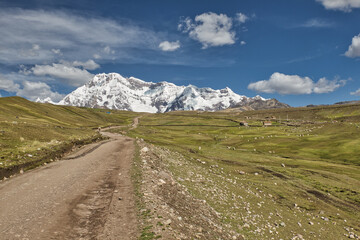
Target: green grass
{"points": [[321, 158], [34, 132]]}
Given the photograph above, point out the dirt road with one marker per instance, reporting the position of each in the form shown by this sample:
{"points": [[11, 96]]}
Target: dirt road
{"points": [[88, 195]]}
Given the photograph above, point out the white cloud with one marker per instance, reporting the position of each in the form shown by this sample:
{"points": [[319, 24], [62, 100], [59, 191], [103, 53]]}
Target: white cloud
{"points": [[8, 85], [210, 29], [28, 89], [89, 64], [243, 43], [317, 23], [356, 93], [34, 36], [354, 48], [294, 84], [241, 18], [64, 71], [34, 90], [342, 5], [169, 46], [326, 86]]}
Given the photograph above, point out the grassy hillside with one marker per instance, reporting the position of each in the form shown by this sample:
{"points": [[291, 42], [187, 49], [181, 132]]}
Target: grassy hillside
{"points": [[34, 132], [299, 176]]}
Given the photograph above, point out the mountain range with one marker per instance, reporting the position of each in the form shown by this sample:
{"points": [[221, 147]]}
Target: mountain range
{"points": [[113, 91]]}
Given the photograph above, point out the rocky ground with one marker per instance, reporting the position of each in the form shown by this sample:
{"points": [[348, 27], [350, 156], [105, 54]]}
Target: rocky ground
{"points": [[178, 193], [169, 210]]}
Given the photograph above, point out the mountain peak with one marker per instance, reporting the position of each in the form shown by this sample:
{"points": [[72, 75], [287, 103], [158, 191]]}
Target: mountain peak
{"points": [[114, 91]]}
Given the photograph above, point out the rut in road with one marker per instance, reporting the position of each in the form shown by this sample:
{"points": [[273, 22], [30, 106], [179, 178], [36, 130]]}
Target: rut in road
{"points": [[76, 198]]}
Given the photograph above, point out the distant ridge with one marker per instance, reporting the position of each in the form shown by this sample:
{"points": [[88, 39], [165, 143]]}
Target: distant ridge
{"points": [[113, 91]]}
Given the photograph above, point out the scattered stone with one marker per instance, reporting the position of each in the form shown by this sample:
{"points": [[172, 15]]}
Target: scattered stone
{"points": [[167, 222], [311, 223], [256, 174], [282, 224], [246, 225], [283, 165], [241, 172], [325, 219], [144, 149], [120, 198], [21, 171], [161, 182]]}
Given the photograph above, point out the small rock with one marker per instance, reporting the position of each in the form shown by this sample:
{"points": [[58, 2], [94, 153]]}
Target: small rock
{"points": [[120, 198], [241, 172], [299, 223], [311, 223], [21, 171], [282, 224], [144, 149], [246, 225], [161, 182], [325, 219], [256, 174], [167, 222], [283, 165]]}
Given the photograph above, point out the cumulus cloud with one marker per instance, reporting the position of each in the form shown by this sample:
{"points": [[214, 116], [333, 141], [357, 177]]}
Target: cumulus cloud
{"points": [[356, 93], [169, 46], [354, 48], [342, 5], [210, 29], [34, 90], [242, 43], [68, 74], [28, 89], [241, 18], [8, 85], [325, 86], [89, 64], [36, 36], [294, 84]]}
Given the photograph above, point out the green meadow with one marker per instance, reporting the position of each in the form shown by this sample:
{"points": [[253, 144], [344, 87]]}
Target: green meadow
{"points": [[299, 176], [34, 133]]}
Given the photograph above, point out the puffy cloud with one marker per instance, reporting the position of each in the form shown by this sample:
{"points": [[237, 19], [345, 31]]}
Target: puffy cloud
{"points": [[89, 64], [354, 48], [356, 93], [34, 90], [342, 5], [28, 89], [8, 85], [241, 18], [294, 84], [169, 46], [243, 43], [69, 74], [36, 36], [326, 86], [210, 29]]}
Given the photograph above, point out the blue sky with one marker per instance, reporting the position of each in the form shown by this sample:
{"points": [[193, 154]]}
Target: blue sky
{"points": [[300, 51]]}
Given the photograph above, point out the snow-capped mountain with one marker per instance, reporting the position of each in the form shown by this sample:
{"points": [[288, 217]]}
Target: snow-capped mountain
{"points": [[113, 91], [45, 100]]}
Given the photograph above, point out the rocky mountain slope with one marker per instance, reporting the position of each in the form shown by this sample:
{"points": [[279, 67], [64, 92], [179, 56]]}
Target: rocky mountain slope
{"points": [[112, 91]]}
